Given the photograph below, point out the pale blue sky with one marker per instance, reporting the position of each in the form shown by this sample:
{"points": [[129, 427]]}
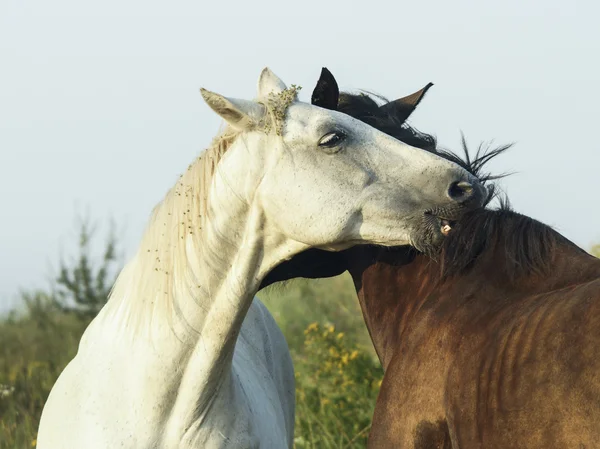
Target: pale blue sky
{"points": [[100, 110]]}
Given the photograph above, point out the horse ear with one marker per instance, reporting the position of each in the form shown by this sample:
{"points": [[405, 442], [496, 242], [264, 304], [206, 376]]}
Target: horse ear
{"points": [[242, 115], [326, 93], [269, 83], [403, 107]]}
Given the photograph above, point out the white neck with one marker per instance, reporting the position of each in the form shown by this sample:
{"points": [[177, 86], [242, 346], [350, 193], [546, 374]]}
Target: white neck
{"points": [[197, 271]]}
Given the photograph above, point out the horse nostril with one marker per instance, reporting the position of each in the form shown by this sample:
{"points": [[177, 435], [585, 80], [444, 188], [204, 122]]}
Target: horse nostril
{"points": [[460, 191]]}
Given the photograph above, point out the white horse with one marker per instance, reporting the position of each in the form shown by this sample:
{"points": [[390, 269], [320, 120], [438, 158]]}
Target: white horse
{"points": [[181, 356]]}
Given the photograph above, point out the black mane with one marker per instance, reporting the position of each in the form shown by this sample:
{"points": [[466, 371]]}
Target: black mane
{"points": [[527, 244], [364, 108]]}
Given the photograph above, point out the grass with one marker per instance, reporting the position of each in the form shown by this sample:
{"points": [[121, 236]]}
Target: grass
{"points": [[35, 346], [337, 375]]}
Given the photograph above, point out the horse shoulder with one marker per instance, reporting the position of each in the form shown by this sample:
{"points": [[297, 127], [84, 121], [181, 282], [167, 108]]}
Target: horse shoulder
{"points": [[254, 405]]}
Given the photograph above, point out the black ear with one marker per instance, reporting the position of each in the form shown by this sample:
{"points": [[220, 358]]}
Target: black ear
{"points": [[403, 107], [326, 93]]}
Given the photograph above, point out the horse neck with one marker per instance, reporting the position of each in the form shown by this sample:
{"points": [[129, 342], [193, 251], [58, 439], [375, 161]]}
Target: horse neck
{"points": [[566, 265], [200, 262], [387, 292], [393, 289]]}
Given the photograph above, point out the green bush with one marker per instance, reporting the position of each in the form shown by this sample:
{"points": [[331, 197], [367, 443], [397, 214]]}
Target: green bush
{"points": [[300, 302], [38, 342], [35, 347], [337, 373], [336, 388]]}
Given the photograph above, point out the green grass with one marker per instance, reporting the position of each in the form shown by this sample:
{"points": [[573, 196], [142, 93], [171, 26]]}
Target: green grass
{"points": [[298, 303], [35, 346], [337, 375]]}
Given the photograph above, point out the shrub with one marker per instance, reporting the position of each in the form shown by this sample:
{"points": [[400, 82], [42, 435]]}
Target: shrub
{"points": [[336, 386]]}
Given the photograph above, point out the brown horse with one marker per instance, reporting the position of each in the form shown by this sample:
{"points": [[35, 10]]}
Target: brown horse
{"points": [[496, 345], [493, 341]]}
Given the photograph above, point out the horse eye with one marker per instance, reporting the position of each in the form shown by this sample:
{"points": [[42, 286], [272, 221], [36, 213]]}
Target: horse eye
{"points": [[332, 139]]}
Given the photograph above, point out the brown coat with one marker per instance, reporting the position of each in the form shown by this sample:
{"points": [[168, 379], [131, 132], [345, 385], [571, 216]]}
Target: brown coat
{"points": [[485, 358]]}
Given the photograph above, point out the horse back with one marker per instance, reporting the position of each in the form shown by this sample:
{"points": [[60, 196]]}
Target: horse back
{"points": [[529, 376]]}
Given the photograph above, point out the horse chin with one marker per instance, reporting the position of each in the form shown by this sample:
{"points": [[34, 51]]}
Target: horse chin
{"points": [[436, 226], [429, 242]]}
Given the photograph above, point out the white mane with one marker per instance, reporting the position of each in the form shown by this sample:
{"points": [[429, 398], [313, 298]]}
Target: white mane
{"points": [[161, 274], [161, 270]]}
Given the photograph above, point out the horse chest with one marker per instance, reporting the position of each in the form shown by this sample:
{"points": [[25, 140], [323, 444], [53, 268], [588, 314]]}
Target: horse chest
{"points": [[115, 400], [410, 406]]}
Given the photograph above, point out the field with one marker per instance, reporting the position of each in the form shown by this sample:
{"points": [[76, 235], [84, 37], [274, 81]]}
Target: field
{"points": [[337, 375]]}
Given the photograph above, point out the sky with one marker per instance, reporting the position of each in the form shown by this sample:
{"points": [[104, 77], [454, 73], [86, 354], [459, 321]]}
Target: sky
{"points": [[100, 108]]}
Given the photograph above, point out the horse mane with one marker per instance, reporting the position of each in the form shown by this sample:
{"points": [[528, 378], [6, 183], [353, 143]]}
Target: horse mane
{"points": [[528, 245], [156, 273], [365, 108], [164, 271]]}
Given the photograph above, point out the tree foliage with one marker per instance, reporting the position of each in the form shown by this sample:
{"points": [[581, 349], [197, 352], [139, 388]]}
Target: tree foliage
{"points": [[84, 283]]}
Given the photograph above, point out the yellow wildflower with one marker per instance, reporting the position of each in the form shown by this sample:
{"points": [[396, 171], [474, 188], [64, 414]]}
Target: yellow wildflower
{"points": [[311, 327]]}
